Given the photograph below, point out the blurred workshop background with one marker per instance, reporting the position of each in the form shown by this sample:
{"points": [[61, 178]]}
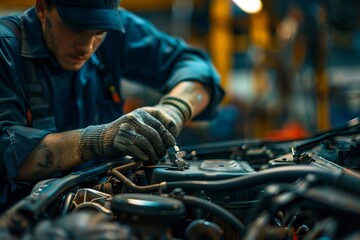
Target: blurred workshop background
{"points": [[289, 68]]}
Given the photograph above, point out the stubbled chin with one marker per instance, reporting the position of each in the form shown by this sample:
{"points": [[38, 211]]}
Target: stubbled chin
{"points": [[71, 67]]}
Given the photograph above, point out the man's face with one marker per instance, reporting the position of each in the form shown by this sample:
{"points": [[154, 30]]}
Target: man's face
{"points": [[71, 48]]}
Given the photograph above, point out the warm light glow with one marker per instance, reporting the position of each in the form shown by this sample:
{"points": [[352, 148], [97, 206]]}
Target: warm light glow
{"points": [[249, 6]]}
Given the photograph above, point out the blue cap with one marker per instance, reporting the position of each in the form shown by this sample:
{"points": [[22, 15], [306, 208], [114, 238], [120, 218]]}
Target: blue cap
{"points": [[90, 14]]}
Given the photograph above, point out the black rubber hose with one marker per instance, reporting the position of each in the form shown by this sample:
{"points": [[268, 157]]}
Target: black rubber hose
{"points": [[311, 142], [29, 209], [349, 180], [202, 229], [340, 178], [279, 174], [216, 210], [41, 198]]}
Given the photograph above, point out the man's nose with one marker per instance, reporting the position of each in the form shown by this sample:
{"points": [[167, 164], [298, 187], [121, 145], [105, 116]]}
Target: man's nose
{"points": [[86, 43]]}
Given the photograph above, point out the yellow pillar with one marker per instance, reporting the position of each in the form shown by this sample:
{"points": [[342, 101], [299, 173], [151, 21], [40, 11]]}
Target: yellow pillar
{"points": [[220, 39]]}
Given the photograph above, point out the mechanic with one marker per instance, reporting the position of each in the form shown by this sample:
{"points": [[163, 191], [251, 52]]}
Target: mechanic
{"points": [[60, 105]]}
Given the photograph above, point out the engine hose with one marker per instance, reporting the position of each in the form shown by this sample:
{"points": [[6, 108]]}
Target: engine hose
{"points": [[67, 203], [133, 186], [282, 174], [343, 178], [310, 143], [30, 209], [128, 166], [216, 210], [349, 180], [202, 229]]}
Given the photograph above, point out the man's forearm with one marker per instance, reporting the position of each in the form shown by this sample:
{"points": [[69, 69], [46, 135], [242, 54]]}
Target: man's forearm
{"points": [[60, 151], [197, 94], [55, 153]]}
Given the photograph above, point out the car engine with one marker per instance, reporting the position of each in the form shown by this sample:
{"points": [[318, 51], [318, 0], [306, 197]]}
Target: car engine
{"points": [[239, 189]]}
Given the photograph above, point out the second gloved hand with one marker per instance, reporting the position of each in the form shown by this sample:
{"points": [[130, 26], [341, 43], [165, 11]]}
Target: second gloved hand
{"points": [[145, 133], [172, 112]]}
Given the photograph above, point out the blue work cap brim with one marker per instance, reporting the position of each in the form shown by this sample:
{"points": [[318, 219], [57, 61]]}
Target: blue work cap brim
{"points": [[89, 18]]}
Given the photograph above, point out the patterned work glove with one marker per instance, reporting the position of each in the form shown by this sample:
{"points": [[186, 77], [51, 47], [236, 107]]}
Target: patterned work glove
{"points": [[145, 133]]}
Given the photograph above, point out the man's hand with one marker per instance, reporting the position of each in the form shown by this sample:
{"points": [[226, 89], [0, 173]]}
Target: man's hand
{"points": [[137, 134], [172, 112], [145, 133]]}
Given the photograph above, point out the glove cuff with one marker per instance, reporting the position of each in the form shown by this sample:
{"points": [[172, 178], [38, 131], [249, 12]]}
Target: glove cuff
{"points": [[89, 146], [182, 106]]}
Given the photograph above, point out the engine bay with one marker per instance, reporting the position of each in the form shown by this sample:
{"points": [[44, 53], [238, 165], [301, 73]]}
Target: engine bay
{"points": [[242, 189]]}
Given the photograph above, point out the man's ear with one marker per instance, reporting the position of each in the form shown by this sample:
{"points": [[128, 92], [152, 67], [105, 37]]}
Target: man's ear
{"points": [[40, 7]]}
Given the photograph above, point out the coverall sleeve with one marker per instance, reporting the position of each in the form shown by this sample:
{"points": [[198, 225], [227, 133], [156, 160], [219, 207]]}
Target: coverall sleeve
{"points": [[160, 61], [17, 140]]}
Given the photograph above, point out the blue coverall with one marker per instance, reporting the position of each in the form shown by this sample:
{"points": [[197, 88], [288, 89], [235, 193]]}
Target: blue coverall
{"points": [[78, 99]]}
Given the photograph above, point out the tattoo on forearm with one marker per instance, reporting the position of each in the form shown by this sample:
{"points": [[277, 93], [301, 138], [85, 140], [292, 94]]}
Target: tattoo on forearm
{"points": [[194, 96], [48, 164], [48, 161]]}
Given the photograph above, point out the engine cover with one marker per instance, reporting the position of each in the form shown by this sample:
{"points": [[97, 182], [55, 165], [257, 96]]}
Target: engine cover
{"points": [[206, 170]]}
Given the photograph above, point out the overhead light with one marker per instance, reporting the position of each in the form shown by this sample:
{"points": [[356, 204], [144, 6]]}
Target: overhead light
{"points": [[249, 6]]}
